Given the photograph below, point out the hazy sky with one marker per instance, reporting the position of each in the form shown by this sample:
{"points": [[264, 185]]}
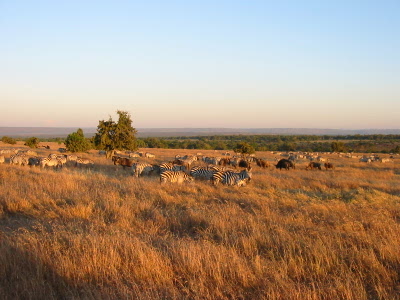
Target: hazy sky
{"points": [[317, 64]]}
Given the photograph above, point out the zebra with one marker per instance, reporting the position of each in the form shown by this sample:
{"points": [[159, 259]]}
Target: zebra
{"points": [[171, 167], [20, 160], [142, 169], [5, 151], [175, 177], [149, 155], [51, 162], [202, 172], [232, 178], [72, 157], [62, 159], [83, 161]]}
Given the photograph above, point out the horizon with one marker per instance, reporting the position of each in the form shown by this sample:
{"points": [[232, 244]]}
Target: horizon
{"points": [[182, 65]]}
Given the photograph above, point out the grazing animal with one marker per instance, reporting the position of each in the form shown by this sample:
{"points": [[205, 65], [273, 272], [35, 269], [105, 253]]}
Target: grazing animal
{"points": [[365, 159], [149, 155], [329, 166], [244, 164], [285, 164], [20, 160], [313, 165], [171, 167], [142, 169], [224, 162], [232, 178], [50, 162], [262, 163], [175, 177], [202, 172], [33, 161], [83, 161], [123, 161]]}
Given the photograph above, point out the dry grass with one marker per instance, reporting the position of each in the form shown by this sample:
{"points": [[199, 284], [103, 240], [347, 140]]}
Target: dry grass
{"points": [[100, 233]]}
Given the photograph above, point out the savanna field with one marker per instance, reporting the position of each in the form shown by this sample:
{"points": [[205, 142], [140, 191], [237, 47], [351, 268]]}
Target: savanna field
{"points": [[97, 232]]}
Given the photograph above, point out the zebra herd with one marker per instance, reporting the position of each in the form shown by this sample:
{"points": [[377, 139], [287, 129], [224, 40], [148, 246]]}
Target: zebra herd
{"points": [[23, 158], [180, 170]]}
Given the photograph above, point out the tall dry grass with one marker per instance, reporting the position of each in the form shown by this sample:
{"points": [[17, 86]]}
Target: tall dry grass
{"points": [[100, 233]]}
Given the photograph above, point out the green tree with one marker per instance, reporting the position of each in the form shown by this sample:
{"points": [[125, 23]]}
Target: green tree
{"points": [[8, 140], [113, 135], [244, 148], [32, 142], [76, 142]]}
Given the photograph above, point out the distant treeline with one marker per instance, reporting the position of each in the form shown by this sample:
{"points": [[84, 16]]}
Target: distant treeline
{"points": [[389, 143], [310, 143]]}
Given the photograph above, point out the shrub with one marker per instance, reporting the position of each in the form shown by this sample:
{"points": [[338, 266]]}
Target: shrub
{"points": [[76, 142], [32, 142], [8, 140]]}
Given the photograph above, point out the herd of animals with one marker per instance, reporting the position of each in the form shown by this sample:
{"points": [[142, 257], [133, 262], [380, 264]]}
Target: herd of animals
{"points": [[235, 170]]}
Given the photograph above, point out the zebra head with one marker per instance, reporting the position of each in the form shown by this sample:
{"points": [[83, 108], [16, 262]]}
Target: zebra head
{"points": [[246, 174]]}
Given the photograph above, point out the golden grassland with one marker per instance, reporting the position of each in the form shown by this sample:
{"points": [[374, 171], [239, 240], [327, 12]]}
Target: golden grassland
{"points": [[100, 233]]}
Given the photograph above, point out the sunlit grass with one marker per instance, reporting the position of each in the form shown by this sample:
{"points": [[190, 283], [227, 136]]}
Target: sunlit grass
{"points": [[98, 232]]}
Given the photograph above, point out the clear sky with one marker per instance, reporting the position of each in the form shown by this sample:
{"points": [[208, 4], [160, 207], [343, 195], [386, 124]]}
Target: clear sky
{"points": [[315, 64]]}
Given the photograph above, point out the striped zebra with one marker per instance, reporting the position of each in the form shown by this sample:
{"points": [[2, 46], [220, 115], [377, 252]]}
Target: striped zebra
{"points": [[72, 157], [232, 178], [5, 151], [175, 177], [19, 159], [142, 169], [83, 161], [50, 162], [219, 168], [171, 167], [149, 155], [62, 159], [202, 172]]}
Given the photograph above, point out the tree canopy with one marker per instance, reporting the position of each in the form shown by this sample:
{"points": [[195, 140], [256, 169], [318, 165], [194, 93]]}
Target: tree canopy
{"points": [[113, 135], [244, 148], [76, 142]]}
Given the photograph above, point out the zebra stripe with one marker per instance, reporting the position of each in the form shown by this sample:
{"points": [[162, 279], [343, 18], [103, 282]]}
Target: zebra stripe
{"points": [[232, 178], [19, 159], [171, 167], [142, 169], [51, 162], [175, 177], [83, 161], [202, 173]]}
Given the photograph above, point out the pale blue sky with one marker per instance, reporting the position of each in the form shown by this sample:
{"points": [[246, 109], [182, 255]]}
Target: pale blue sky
{"points": [[314, 64]]}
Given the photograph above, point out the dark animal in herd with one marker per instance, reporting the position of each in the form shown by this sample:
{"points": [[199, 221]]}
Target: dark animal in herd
{"points": [[285, 164], [262, 163], [122, 161], [313, 165], [329, 166], [244, 164]]}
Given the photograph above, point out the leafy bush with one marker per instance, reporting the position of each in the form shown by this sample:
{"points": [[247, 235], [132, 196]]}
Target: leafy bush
{"points": [[76, 142], [8, 140], [32, 142], [244, 148]]}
